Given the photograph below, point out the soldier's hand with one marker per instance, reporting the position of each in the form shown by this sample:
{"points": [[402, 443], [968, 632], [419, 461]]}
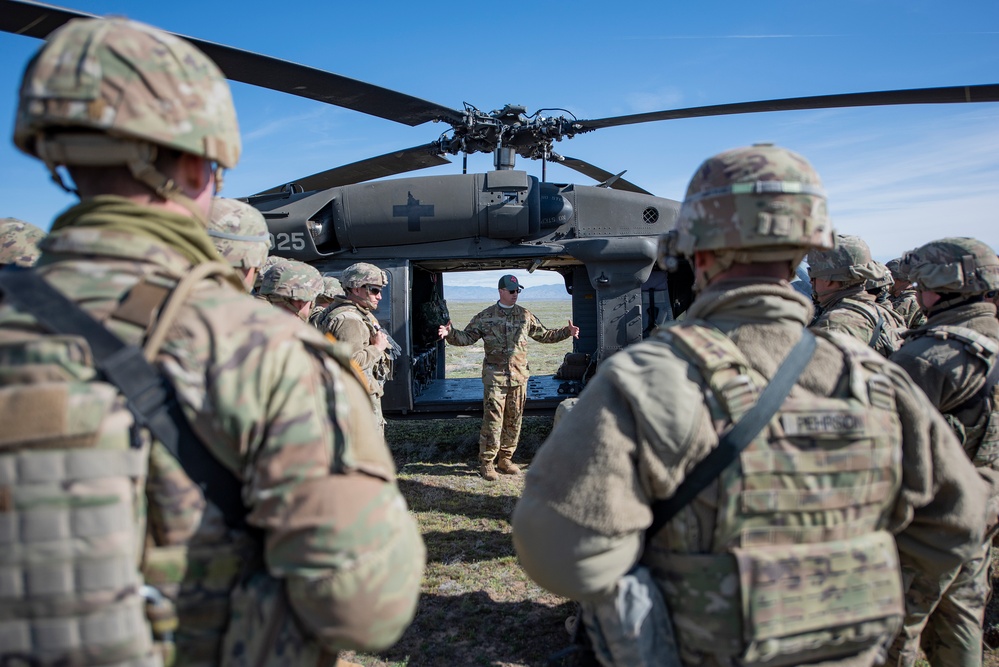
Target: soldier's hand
{"points": [[444, 329], [380, 340], [573, 329]]}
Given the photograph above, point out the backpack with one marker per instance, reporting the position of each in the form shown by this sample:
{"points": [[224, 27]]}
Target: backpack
{"points": [[80, 410]]}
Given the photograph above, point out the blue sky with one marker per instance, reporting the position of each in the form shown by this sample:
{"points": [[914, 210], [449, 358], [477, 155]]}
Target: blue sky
{"points": [[898, 176]]}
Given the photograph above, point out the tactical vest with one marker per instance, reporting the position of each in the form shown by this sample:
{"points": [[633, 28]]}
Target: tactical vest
{"points": [[884, 337], [802, 568], [82, 577], [979, 424], [381, 371]]}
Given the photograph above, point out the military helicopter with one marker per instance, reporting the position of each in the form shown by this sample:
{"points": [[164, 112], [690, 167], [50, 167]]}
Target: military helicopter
{"points": [[601, 239]]}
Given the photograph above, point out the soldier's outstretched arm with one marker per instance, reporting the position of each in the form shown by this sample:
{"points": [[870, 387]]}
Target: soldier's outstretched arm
{"points": [[467, 336], [319, 481]]}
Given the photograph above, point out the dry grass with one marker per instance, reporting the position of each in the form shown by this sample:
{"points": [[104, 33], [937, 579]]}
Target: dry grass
{"points": [[478, 607]]}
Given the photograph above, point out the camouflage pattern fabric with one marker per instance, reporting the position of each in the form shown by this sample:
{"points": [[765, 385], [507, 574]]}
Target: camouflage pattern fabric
{"points": [[362, 273], [504, 333], [502, 415], [945, 614], [239, 233], [19, 242], [185, 103], [850, 262], [854, 312], [775, 189], [505, 371], [958, 264], [643, 421], [270, 261], [907, 307], [331, 289], [289, 282], [355, 327], [269, 398]]}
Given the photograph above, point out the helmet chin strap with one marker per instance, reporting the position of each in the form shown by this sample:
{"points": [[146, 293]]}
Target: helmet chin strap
{"points": [[724, 259], [98, 150]]}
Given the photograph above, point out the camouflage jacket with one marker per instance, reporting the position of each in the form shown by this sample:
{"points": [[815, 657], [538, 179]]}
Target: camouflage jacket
{"points": [[341, 560], [643, 421], [906, 305], [354, 326], [504, 333], [856, 313], [947, 370]]}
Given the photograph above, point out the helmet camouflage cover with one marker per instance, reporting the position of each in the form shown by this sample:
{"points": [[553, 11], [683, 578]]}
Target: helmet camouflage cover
{"points": [[899, 271], [126, 80], [331, 287], [849, 262], [239, 233], [882, 279], [959, 265], [19, 242], [763, 200], [291, 279], [363, 273]]}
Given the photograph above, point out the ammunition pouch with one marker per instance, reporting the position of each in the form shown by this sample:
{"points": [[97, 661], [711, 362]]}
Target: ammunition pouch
{"points": [[785, 604]]}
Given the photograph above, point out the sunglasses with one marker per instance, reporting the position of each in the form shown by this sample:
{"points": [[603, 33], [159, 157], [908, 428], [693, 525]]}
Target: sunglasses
{"points": [[373, 290], [513, 291]]}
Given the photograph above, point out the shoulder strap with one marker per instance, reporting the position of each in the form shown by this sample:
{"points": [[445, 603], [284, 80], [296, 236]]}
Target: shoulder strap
{"points": [[879, 324], [739, 436], [878, 328], [150, 398]]}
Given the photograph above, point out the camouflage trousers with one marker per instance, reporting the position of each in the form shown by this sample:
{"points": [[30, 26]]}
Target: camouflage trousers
{"points": [[632, 628], [945, 617], [502, 412]]}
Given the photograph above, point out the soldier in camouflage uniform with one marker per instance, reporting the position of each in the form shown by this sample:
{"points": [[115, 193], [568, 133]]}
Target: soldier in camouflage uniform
{"points": [[903, 295], [950, 358], [240, 235], [329, 559], [270, 261], [839, 282], [788, 556], [504, 329], [19, 243], [292, 285], [331, 290], [350, 319]]}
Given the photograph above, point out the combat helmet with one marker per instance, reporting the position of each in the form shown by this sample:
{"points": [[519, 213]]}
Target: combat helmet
{"points": [[291, 279], [850, 262], [19, 242], [954, 265], [362, 273], [899, 270], [753, 204], [881, 279], [111, 92], [239, 233], [331, 287]]}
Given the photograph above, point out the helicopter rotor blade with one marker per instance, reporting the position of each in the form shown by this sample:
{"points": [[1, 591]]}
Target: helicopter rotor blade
{"points": [[596, 173], [945, 95], [389, 164], [36, 19]]}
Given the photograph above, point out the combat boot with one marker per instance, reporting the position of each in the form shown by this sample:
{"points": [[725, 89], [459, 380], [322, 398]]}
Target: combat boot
{"points": [[488, 472], [507, 467]]}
